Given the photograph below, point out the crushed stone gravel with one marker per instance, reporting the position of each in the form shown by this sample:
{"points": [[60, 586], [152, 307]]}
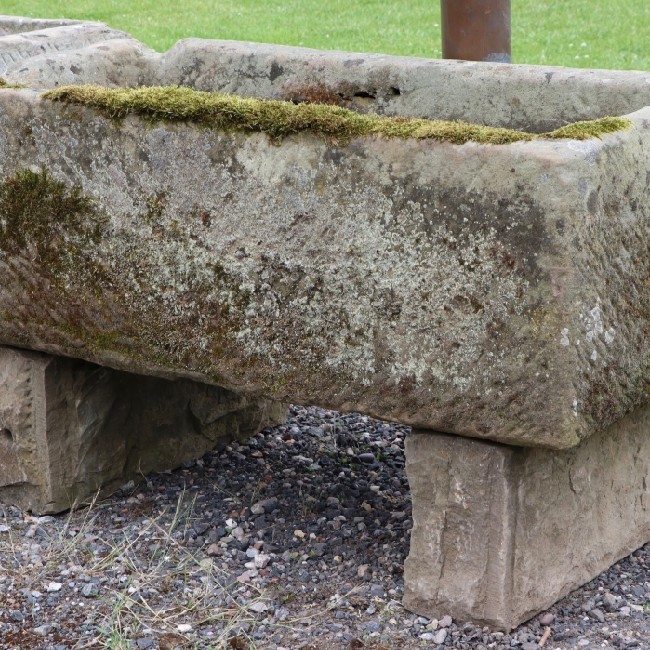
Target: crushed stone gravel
{"points": [[294, 539]]}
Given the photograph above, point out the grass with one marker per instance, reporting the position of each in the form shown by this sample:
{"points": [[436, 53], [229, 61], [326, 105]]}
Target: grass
{"points": [[581, 33], [279, 119], [154, 567], [157, 583]]}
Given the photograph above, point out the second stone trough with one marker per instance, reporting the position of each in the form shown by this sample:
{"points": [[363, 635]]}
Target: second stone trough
{"points": [[488, 286]]}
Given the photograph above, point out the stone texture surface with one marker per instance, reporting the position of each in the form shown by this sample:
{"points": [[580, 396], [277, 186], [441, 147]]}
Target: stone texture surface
{"points": [[455, 288], [74, 53], [501, 533], [19, 24], [69, 429], [534, 98], [21, 50], [494, 292]]}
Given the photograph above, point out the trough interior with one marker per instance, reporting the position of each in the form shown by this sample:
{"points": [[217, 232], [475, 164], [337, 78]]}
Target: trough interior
{"points": [[523, 97]]}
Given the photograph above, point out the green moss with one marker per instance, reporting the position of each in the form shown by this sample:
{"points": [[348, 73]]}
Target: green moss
{"points": [[279, 119], [37, 210], [591, 128], [111, 297], [6, 85]]}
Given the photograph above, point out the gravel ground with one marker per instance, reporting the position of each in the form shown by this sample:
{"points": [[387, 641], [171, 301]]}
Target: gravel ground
{"points": [[295, 539]]}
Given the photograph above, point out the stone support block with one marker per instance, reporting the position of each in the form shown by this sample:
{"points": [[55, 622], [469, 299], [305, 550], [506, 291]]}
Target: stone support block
{"points": [[70, 429], [501, 533]]}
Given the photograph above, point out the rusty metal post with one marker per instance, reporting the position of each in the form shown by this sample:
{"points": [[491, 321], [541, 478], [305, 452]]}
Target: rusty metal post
{"points": [[476, 30]]}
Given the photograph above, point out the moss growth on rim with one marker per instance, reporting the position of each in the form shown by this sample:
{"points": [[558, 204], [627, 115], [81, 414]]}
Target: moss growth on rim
{"points": [[5, 85], [279, 119], [589, 128]]}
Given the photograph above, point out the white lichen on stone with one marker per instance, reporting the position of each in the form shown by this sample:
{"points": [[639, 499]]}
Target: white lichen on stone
{"points": [[594, 324], [564, 340]]}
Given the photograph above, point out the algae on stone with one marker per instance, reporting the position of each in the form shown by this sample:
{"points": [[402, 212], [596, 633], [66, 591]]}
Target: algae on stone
{"points": [[34, 208], [62, 232], [279, 119]]}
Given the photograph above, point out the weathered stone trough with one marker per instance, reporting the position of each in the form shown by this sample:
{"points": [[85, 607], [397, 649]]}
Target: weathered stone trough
{"points": [[415, 271]]}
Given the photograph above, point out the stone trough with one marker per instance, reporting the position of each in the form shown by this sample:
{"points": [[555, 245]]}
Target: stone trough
{"points": [[160, 275]]}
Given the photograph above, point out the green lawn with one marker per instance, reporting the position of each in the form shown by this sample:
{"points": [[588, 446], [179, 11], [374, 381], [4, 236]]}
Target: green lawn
{"points": [[584, 33]]}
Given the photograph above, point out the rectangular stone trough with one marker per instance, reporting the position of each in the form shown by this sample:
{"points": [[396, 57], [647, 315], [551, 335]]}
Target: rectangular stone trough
{"points": [[493, 296]]}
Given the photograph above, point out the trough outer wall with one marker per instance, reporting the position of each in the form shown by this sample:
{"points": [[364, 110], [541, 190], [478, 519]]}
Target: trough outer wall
{"points": [[417, 281]]}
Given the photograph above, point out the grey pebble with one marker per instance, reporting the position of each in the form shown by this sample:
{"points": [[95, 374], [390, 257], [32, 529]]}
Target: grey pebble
{"points": [[17, 615], [266, 506], [445, 621], [90, 590], [597, 615], [440, 636], [376, 590], [281, 614], [610, 602], [373, 626]]}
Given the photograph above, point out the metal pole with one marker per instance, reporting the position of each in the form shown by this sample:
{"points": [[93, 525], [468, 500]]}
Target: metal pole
{"points": [[476, 30]]}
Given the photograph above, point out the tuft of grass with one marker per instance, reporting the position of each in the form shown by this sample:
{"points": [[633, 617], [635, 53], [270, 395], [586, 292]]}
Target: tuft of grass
{"points": [[279, 119], [157, 581], [158, 577]]}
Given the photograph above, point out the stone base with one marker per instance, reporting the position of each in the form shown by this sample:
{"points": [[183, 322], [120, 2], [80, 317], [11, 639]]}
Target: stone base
{"points": [[69, 429], [500, 533]]}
